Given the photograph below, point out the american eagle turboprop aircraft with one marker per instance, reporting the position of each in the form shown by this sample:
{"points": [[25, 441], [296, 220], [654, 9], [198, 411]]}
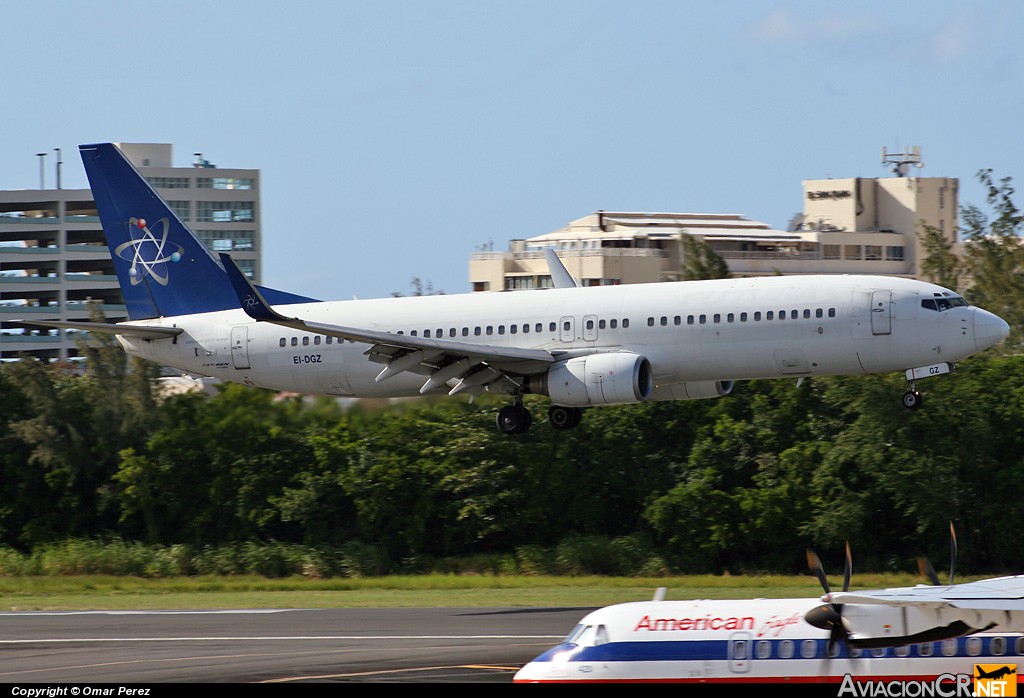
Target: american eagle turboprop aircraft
{"points": [[916, 633], [581, 347]]}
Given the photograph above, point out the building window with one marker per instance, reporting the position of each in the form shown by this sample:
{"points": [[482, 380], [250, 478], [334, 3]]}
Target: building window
{"points": [[852, 252], [830, 252], [182, 209], [479, 286], [224, 183], [894, 253], [872, 252], [168, 182], [224, 211]]}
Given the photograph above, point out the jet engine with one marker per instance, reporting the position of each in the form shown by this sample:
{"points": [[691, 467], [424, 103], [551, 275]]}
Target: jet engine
{"points": [[612, 378]]}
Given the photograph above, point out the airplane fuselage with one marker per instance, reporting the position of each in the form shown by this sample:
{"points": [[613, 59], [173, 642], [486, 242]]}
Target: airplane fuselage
{"points": [[691, 332], [760, 640]]}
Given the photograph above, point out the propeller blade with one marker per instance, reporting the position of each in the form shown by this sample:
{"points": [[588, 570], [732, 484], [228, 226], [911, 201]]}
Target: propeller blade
{"points": [[815, 564], [952, 552], [924, 566], [848, 570]]}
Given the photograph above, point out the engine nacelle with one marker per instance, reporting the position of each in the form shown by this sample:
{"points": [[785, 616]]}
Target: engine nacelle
{"points": [[613, 378], [693, 390]]}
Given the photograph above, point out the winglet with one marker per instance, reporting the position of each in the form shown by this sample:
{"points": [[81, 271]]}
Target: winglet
{"points": [[560, 276], [249, 298]]}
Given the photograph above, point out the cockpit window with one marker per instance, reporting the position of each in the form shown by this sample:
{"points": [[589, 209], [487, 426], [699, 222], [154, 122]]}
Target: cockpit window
{"points": [[941, 303], [574, 634]]}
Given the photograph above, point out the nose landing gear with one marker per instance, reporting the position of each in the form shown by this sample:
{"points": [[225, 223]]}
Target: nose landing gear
{"points": [[912, 397]]}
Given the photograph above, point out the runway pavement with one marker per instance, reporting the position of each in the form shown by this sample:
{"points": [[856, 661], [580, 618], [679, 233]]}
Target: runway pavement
{"points": [[139, 648]]}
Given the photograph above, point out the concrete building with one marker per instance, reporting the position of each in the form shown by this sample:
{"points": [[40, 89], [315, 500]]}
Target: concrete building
{"points": [[53, 257], [847, 226]]}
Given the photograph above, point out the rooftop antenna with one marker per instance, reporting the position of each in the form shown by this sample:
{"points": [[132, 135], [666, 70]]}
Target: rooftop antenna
{"points": [[902, 162], [59, 163]]}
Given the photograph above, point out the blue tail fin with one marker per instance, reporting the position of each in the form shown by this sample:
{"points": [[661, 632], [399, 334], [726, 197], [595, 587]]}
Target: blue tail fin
{"points": [[163, 269]]}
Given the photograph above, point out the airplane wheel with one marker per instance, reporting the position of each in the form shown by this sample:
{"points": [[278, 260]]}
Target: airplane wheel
{"points": [[564, 417], [912, 399], [514, 419]]}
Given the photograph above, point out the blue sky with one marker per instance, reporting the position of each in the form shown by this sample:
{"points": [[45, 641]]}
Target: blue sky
{"points": [[395, 138]]}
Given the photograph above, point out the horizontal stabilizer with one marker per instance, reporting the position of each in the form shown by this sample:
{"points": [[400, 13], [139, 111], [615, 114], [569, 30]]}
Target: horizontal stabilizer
{"points": [[140, 331]]}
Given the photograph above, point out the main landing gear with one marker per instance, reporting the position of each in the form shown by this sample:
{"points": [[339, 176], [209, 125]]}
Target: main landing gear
{"points": [[561, 417], [516, 419]]}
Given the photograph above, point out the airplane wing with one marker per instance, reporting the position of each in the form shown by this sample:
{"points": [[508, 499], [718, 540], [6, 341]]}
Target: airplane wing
{"points": [[140, 331], [998, 594], [470, 366]]}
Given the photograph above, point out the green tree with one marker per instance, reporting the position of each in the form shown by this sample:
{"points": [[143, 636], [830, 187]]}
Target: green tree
{"points": [[700, 261]]}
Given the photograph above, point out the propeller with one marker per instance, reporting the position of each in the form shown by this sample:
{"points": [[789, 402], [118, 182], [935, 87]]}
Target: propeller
{"points": [[924, 566], [829, 616]]}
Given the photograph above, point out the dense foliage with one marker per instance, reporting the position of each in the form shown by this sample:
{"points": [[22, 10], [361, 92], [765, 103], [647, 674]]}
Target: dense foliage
{"points": [[740, 484]]}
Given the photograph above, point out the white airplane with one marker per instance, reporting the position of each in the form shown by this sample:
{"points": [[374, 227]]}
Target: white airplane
{"points": [[864, 641], [581, 347]]}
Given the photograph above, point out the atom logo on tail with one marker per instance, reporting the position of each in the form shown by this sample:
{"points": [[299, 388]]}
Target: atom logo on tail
{"points": [[148, 252]]}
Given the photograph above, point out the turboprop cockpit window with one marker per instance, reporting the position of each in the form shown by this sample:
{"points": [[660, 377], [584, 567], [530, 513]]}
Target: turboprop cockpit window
{"points": [[575, 633], [945, 303]]}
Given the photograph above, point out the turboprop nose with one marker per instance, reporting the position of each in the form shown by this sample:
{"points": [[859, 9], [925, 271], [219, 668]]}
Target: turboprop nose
{"points": [[989, 329]]}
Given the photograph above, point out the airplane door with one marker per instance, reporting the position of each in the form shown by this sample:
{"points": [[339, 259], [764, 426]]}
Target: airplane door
{"points": [[590, 327], [240, 346], [567, 328], [881, 312], [741, 647]]}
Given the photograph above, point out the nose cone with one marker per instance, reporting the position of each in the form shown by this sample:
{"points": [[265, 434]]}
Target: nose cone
{"points": [[989, 329]]}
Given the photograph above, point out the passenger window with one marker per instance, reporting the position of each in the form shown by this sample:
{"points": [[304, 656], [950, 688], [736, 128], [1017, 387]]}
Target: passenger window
{"points": [[465, 331], [763, 648], [490, 329], [730, 317], [476, 331], [451, 332], [613, 323], [538, 327], [718, 318], [818, 313], [794, 314], [512, 329], [305, 341], [295, 341], [757, 316], [786, 649], [902, 651], [743, 317], [283, 342], [664, 321], [949, 647], [625, 322], [600, 324], [330, 340], [677, 320], [831, 312], [650, 322], [689, 319], [501, 329], [426, 333], [703, 319], [808, 648], [439, 333], [997, 646], [526, 328], [590, 324], [412, 333], [770, 315], [566, 325], [316, 340], [925, 649], [552, 327], [974, 646], [807, 313]]}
